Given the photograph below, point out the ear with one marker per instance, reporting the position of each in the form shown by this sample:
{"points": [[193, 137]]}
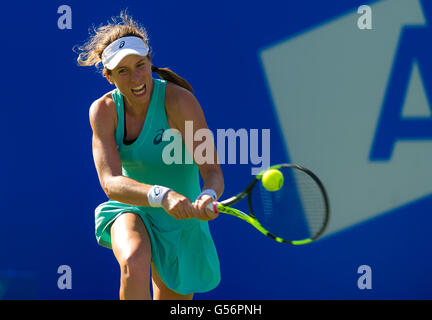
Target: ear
{"points": [[107, 76]]}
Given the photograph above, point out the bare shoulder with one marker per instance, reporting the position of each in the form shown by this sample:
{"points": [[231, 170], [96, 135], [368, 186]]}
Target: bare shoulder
{"points": [[180, 102], [103, 111]]}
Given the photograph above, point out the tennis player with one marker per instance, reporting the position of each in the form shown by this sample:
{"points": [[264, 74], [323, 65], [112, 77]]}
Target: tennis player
{"points": [[155, 221]]}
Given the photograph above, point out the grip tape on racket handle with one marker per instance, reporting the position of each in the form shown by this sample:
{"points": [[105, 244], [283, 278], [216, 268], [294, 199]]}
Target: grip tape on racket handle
{"points": [[213, 206]]}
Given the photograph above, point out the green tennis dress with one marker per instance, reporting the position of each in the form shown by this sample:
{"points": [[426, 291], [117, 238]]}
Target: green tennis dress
{"points": [[183, 251]]}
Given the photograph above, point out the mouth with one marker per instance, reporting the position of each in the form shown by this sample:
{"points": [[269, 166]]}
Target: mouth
{"points": [[139, 91]]}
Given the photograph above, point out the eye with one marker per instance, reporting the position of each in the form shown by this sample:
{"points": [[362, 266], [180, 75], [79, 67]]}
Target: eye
{"points": [[122, 71], [140, 65]]}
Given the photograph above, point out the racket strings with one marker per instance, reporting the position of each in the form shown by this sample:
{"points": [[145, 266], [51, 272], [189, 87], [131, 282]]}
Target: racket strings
{"points": [[312, 200], [294, 212], [267, 203]]}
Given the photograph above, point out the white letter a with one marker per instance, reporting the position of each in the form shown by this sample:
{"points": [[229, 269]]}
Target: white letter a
{"points": [[364, 21], [65, 280], [365, 281], [65, 20]]}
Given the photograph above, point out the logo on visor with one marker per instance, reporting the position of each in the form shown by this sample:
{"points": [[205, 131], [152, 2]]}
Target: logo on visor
{"points": [[121, 44]]}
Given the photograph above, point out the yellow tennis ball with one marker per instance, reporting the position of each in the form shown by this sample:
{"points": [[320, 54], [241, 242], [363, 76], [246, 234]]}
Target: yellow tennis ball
{"points": [[272, 180]]}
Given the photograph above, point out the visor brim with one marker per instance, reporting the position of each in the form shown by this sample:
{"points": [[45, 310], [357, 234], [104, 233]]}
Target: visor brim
{"points": [[115, 60]]}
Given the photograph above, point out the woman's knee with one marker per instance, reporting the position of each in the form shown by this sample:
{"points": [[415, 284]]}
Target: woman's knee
{"points": [[131, 246], [135, 264]]}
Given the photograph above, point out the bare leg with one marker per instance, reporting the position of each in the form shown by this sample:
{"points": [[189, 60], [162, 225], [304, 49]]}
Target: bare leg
{"points": [[132, 249], [162, 292]]}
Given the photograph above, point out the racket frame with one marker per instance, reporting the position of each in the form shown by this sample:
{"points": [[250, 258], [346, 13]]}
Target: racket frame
{"points": [[225, 206]]}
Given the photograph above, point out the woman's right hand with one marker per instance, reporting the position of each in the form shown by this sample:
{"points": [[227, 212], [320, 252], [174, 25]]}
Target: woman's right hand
{"points": [[180, 207]]}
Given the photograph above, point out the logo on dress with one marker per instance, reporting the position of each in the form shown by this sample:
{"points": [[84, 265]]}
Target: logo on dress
{"points": [[158, 138], [121, 44]]}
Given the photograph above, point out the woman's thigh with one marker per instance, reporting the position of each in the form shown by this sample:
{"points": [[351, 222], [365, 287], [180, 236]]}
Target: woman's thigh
{"points": [[130, 241]]}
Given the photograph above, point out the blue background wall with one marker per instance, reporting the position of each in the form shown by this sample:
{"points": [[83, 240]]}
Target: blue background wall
{"points": [[50, 187]]}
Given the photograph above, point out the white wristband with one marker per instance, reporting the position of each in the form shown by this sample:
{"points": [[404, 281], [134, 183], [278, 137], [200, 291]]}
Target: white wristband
{"points": [[210, 192], [156, 195]]}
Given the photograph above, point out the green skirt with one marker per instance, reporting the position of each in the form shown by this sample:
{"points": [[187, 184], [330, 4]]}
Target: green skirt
{"points": [[183, 251]]}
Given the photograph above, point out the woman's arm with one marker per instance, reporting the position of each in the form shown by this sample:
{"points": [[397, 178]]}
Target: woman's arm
{"points": [[182, 106], [103, 120]]}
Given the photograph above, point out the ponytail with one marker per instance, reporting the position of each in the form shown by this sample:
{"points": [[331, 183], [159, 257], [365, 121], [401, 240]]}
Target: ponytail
{"points": [[169, 75]]}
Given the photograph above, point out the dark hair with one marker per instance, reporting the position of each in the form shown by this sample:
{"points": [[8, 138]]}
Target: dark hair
{"points": [[91, 52]]}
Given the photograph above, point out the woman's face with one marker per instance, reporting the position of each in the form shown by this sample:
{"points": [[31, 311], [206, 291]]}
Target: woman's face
{"points": [[133, 77]]}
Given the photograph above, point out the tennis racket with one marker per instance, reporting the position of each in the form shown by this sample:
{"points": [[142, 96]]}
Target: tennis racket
{"points": [[297, 213]]}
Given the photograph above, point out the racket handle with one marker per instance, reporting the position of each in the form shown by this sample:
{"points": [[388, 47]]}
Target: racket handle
{"points": [[213, 206]]}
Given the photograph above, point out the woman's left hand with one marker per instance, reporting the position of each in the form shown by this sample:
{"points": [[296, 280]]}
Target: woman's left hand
{"points": [[201, 205]]}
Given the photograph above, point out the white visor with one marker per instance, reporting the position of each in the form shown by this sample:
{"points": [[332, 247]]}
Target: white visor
{"points": [[121, 48]]}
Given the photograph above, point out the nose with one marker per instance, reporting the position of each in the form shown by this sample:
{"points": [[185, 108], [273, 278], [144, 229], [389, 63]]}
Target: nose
{"points": [[136, 77]]}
